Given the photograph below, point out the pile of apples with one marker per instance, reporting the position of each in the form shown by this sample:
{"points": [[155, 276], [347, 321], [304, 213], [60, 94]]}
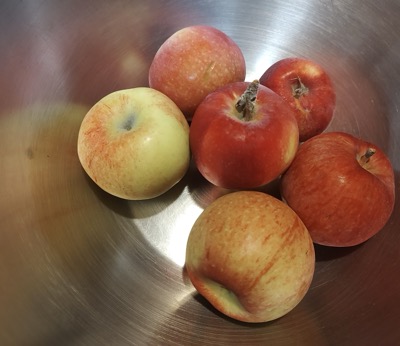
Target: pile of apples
{"points": [[336, 189]]}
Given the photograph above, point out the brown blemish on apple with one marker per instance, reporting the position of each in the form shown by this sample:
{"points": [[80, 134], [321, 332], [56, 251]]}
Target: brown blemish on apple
{"points": [[209, 69]]}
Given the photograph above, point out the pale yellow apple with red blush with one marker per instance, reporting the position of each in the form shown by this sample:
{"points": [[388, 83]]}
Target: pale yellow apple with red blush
{"points": [[134, 143], [250, 256]]}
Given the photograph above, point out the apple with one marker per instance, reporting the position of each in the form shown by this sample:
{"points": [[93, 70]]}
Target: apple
{"points": [[342, 187], [250, 256], [134, 143], [308, 89], [243, 136], [193, 62]]}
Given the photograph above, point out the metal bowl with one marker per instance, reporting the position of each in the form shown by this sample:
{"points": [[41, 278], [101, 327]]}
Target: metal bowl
{"points": [[81, 267]]}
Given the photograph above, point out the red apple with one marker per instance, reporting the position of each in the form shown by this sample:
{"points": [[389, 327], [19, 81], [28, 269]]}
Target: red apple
{"points": [[307, 88], [342, 187], [193, 62], [250, 256], [243, 136]]}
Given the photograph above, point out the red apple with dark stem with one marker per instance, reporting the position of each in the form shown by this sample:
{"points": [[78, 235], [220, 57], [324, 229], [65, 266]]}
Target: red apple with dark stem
{"points": [[243, 136], [194, 62], [342, 187], [306, 86]]}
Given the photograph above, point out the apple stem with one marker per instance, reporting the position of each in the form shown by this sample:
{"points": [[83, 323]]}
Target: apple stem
{"points": [[245, 104], [365, 158], [298, 88]]}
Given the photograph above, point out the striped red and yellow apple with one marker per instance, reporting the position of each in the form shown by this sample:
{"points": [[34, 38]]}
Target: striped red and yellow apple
{"points": [[250, 256]]}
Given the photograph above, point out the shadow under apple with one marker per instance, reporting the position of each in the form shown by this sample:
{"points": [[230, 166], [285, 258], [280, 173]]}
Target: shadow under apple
{"points": [[204, 193], [298, 327], [136, 209], [328, 253]]}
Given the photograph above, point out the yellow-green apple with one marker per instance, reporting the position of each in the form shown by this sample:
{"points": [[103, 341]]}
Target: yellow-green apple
{"points": [[342, 187], [308, 89], [243, 136], [193, 62], [134, 143], [250, 256]]}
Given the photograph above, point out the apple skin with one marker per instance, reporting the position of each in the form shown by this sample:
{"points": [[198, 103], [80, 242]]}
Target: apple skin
{"points": [[341, 200], [315, 107], [236, 154], [134, 143], [193, 62], [250, 256]]}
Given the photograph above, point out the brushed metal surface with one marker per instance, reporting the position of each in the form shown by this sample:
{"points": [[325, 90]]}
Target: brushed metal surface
{"points": [[80, 267]]}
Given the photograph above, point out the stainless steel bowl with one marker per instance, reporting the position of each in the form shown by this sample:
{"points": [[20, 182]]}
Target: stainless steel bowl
{"points": [[80, 267]]}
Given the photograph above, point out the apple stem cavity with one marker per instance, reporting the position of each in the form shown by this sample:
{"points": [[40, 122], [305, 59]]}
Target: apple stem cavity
{"points": [[245, 104], [298, 88], [127, 125], [368, 154]]}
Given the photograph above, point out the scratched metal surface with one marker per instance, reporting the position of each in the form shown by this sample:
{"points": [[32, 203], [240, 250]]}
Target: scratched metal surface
{"points": [[80, 267]]}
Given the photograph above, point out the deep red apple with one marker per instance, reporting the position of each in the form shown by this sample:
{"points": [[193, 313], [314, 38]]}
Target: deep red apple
{"points": [[243, 136], [307, 87], [193, 62], [342, 187]]}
